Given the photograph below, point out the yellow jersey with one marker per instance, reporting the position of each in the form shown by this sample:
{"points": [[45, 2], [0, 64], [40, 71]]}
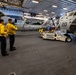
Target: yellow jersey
{"points": [[3, 31], [40, 30], [11, 29]]}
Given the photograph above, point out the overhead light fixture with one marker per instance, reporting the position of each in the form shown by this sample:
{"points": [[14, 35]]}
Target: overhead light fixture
{"points": [[40, 13], [65, 8], [62, 14], [53, 12], [45, 11], [34, 1], [47, 14], [70, 0], [54, 6]]}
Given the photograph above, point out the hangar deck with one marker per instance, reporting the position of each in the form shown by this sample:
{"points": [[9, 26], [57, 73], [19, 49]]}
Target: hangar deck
{"points": [[35, 56]]}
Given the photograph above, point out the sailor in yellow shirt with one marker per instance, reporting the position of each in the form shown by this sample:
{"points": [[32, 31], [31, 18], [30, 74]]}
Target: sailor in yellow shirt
{"points": [[11, 29], [40, 30], [3, 35]]}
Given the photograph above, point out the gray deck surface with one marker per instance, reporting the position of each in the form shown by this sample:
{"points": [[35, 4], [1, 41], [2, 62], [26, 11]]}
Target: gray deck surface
{"points": [[35, 56]]}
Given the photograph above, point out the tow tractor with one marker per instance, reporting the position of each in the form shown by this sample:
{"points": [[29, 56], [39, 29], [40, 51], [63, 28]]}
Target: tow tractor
{"points": [[56, 35]]}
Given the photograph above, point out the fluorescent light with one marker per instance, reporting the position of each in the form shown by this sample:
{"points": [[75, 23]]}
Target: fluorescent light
{"points": [[62, 14], [54, 6], [65, 8], [40, 13], [47, 14], [45, 11], [34, 1], [53, 12]]}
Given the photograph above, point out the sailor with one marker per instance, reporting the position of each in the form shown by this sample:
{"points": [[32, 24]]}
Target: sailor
{"points": [[40, 30], [11, 29], [3, 35]]}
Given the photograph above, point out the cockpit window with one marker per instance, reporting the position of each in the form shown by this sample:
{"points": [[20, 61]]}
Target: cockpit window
{"points": [[70, 14], [75, 13], [34, 22]]}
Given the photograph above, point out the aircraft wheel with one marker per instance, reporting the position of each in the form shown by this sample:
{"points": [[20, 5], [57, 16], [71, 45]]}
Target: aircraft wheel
{"points": [[68, 39]]}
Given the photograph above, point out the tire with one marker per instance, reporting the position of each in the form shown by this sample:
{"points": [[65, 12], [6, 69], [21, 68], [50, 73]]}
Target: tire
{"points": [[43, 38], [68, 39]]}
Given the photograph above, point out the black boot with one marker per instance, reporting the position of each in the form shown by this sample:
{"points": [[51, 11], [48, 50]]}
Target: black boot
{"points": [[5, 54], [13, 49]]}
